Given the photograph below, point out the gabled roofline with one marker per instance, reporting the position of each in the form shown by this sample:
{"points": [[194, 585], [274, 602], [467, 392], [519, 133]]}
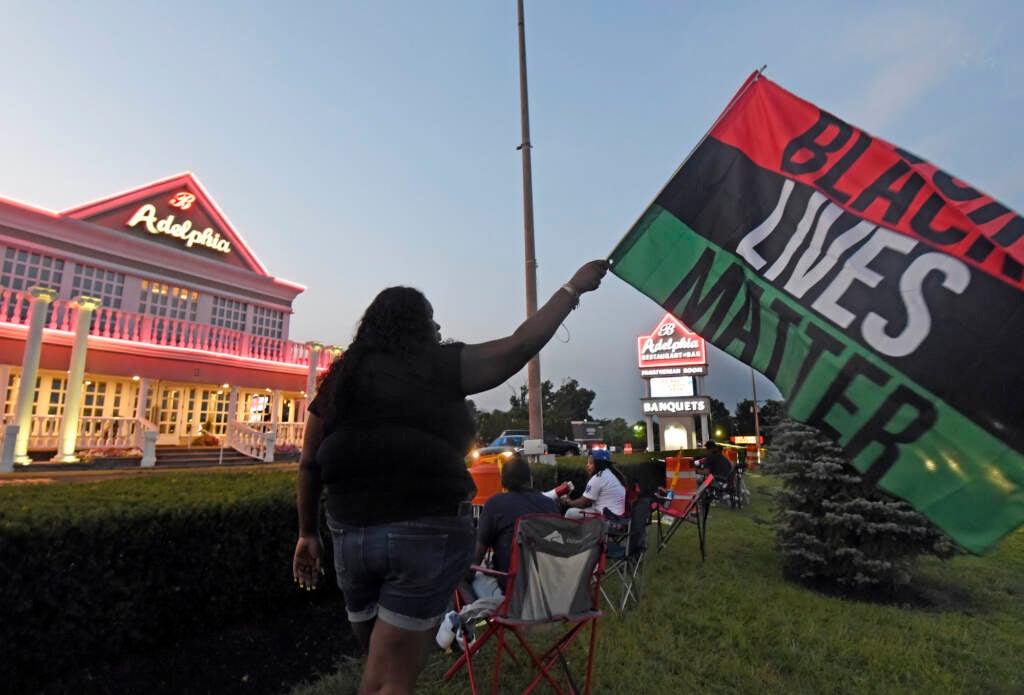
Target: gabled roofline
{"points": [[104, 204]]}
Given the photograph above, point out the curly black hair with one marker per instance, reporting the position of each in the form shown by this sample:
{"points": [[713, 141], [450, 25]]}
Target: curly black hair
{"points": [[399, 321]]}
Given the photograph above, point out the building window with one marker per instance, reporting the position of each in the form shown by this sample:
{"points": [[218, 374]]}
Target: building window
{"points": [[94, 396], [228, 313], [96, 282], [24, 269], [50, 395], [220, 421], [10, 397], [267, 322], [168, 301]]}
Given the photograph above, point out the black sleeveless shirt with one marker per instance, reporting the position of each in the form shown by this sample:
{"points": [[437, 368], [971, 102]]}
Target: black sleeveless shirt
{"points": [[397, 449]]}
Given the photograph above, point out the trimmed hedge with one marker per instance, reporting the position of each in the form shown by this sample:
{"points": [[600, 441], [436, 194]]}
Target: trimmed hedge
{"points": [[99, 570], [640, 468]]}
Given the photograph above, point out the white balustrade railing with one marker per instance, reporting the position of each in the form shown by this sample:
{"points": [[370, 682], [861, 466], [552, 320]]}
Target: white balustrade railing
{"points": [[44, 432], [258, 441], [251, 441], [158, 330], [93, 432], [290, 434]]}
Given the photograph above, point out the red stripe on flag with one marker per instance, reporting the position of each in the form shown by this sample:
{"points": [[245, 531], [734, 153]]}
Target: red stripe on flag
{"points": [[873, 179]]}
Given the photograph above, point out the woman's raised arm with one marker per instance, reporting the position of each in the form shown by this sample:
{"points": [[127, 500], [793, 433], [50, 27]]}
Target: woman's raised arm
{"points": [[486, 365]]}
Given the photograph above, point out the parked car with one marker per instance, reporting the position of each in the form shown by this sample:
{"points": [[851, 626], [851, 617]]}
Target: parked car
{"points": [[503, 444], [555, 445], [561, 447], [515, 439]]}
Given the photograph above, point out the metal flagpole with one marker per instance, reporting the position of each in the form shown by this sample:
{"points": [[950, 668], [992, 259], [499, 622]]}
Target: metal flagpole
{"points": [[533, 368], [757, 422]]}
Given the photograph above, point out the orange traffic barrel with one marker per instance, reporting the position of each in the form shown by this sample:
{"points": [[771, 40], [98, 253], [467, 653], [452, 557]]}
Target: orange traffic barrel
{"points": [[487, 477], [676, 469]]}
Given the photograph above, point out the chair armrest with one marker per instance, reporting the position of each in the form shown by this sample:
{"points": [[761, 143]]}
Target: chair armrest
{"points": [[488, 571]]}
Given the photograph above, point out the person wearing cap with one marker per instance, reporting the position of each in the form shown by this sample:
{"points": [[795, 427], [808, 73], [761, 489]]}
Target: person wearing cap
{"points": [[498, 519], [715, 462], [605, 491]]}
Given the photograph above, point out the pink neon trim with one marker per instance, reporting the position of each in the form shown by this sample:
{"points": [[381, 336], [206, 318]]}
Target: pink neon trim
{"points": [[102, 204]]}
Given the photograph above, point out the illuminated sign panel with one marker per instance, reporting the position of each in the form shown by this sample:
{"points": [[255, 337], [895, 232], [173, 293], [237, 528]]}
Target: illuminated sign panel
{"points": [[746, 439], [672, 387], [675, 371], [671, 344], [676, 406], [182, 229]]}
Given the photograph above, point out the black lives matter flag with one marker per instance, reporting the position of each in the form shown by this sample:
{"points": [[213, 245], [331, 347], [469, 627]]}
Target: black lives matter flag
{"points": [[882, 295]]}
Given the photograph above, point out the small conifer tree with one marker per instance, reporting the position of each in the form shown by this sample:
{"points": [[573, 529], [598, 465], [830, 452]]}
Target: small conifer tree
{"points": [[835, 530]]}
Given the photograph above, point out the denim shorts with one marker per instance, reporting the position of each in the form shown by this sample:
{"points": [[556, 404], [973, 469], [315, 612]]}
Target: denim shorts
{"points": [[404, 572]]}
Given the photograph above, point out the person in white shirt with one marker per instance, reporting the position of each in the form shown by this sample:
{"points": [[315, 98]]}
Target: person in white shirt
{"points": [[605, 490]]}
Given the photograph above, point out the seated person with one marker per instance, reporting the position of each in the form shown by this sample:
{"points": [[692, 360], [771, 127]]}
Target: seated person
{"points": [[606, 489], [715, 463], [720, 467], [500, 514]]}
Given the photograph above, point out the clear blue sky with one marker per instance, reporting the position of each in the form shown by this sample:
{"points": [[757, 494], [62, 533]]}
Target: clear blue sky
{"points": [[360, 145]]}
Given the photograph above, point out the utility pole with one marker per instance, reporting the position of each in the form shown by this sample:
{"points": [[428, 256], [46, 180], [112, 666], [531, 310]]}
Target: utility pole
{"points": [[533, 368], [757, 421]]}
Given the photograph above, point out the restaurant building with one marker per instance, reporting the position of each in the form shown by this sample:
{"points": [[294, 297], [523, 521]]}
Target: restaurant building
{"points": [[144, 320]]}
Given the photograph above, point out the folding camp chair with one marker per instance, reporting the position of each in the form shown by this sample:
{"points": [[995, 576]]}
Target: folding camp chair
{"points": [[554, 579], [673, 510], [627, 549]]}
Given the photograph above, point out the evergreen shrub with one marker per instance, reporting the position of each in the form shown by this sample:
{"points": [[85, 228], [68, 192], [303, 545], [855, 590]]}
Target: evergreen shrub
{"points": [[835, 531]]}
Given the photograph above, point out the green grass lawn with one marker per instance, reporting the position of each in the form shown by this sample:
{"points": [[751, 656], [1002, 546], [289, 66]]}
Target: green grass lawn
{"points": [[732, 625]]}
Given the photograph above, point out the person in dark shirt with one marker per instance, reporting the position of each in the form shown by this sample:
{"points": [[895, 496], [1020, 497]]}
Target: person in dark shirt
{"points": [[387, 434], [715, 463], [501, 512]]}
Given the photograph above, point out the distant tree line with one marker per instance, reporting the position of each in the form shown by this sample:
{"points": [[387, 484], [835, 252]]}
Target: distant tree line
{"points": [[741, 421], [571, 401]]}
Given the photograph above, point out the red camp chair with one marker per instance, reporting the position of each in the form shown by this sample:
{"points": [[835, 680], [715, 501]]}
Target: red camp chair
{"points": [[681, 506], [554, 579]]}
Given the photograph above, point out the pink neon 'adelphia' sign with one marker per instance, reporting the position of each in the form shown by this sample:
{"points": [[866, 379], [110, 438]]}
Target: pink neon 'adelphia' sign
{"points": [[671, 344]]}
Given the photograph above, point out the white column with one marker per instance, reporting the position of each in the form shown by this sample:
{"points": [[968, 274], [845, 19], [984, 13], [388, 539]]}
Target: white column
{"points": [[233, 405], [141, 408], [649, 419], [41, 298], [314, 360], [275, 406], [73, 402]]}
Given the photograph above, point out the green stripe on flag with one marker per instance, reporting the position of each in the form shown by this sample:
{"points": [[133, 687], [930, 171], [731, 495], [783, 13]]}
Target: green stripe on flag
{"points": [[965, 480]]}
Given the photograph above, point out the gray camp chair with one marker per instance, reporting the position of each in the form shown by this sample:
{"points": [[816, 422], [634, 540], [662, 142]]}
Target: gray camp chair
{"points": [[554, 579]]}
